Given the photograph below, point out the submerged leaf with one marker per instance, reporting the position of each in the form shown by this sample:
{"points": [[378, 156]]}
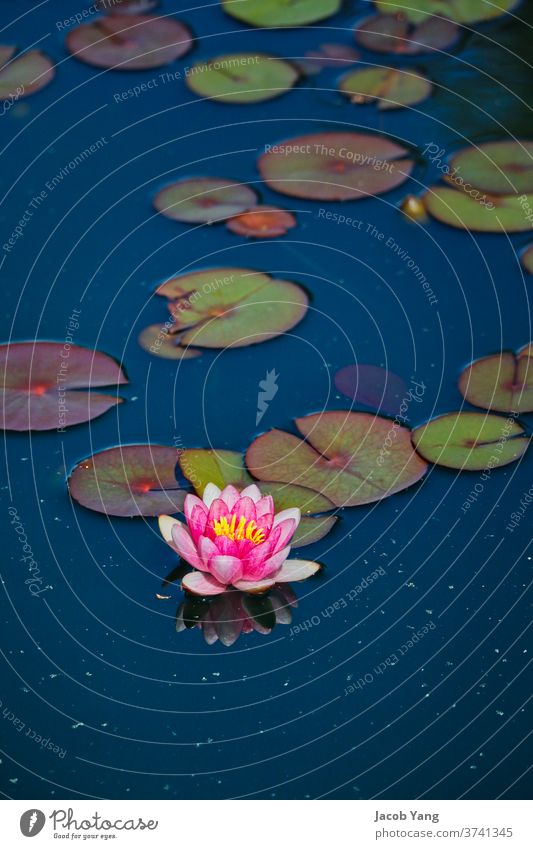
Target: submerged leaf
{"points": [[335, 166], [40, 383], [132, 43], [27, 73], [501, 382], [329, 55], [280, 13], [126, 7], [204, 199], [129, 480], [242, 77], [374, 386], [471, 441], [526, 259], [394, 34], [352, 458], [391, 87]]}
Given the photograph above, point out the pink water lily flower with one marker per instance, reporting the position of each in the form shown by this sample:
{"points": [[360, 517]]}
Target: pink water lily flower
{"points": [[235, 539]]}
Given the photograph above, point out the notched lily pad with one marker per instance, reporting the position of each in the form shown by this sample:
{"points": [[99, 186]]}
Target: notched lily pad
{"points": [[242, 77], [41, 383], [390, 87], [335, 166], [129, 480], [395, 34], [157, 340], [204, 199], [25, 74], [494, 214], [470, 441], [280, 13], [262, 222], [498, 168], [462, 11], [351, 458], [501, 382], [132, 43]]}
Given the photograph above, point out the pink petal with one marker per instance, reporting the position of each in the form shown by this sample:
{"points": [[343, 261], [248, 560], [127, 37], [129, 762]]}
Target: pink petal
{"points": [[264, 506], [297, 570], [266, 522], [290, 513], [210, 493], [245, 507], [197, 522], [184, 545], [207, 549], [216, 511], [258, 555], [225, 545], [201, 583], [226, 569], [273, 564], [192, 501], [287, 528], [252, 492], [230, 495], [253, 586]]}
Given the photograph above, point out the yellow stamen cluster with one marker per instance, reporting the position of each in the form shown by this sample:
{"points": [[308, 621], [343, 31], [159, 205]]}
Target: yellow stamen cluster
{"points": [[238, 529]]}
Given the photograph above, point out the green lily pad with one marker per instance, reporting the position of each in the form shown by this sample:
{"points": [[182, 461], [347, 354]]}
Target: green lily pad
{"points": [[501, 382], [395, 34], [471, 441], [499, 168], [351, 458], [207, 280], [280, 13], [27, 73], [129, 480], [497, 214], [132, 43], [42, 383], [462, 11], [204, 200], [390, 87], [157, 340], [526, 258], [335, 166], [222, 467], [242, 77], [248, 311], [262, 222]]}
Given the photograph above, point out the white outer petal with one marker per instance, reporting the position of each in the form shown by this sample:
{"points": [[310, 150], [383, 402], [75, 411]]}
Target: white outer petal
{"points": [[290, 513], [211, 492]]}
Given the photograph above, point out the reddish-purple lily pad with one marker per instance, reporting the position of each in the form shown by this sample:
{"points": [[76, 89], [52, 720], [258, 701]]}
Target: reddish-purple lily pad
{"points": [[157, 340], [374, 386], [501, 382], [204, 200], [395, 34], [242, 77], [462, 11], [129, 480], [262, 222], [390, 87], [248, 311], [335, 166], [132, 43], [472, 441], [27, 73], [39, 383], [351, 458], [126, 7]]}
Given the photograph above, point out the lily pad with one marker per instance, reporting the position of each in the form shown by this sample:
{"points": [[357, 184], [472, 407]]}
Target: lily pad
{"points": [[207, 280], [27, 73], [222, 467], [462, 11], [138, 42], [471, 441], [242, 77], [374, 386], [390, 87], [157, 340], [526, 259], [501, 382], [204, 200], [280, 13], [40, 383], [394, 34], [335, 166], [499, 168], [499, 214], [248, 311], [351, 458], [129, 480], [126, 7], [262, 222]]}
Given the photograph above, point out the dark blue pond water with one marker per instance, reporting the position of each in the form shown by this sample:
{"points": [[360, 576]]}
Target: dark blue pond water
{"points": [[94, 663]]}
